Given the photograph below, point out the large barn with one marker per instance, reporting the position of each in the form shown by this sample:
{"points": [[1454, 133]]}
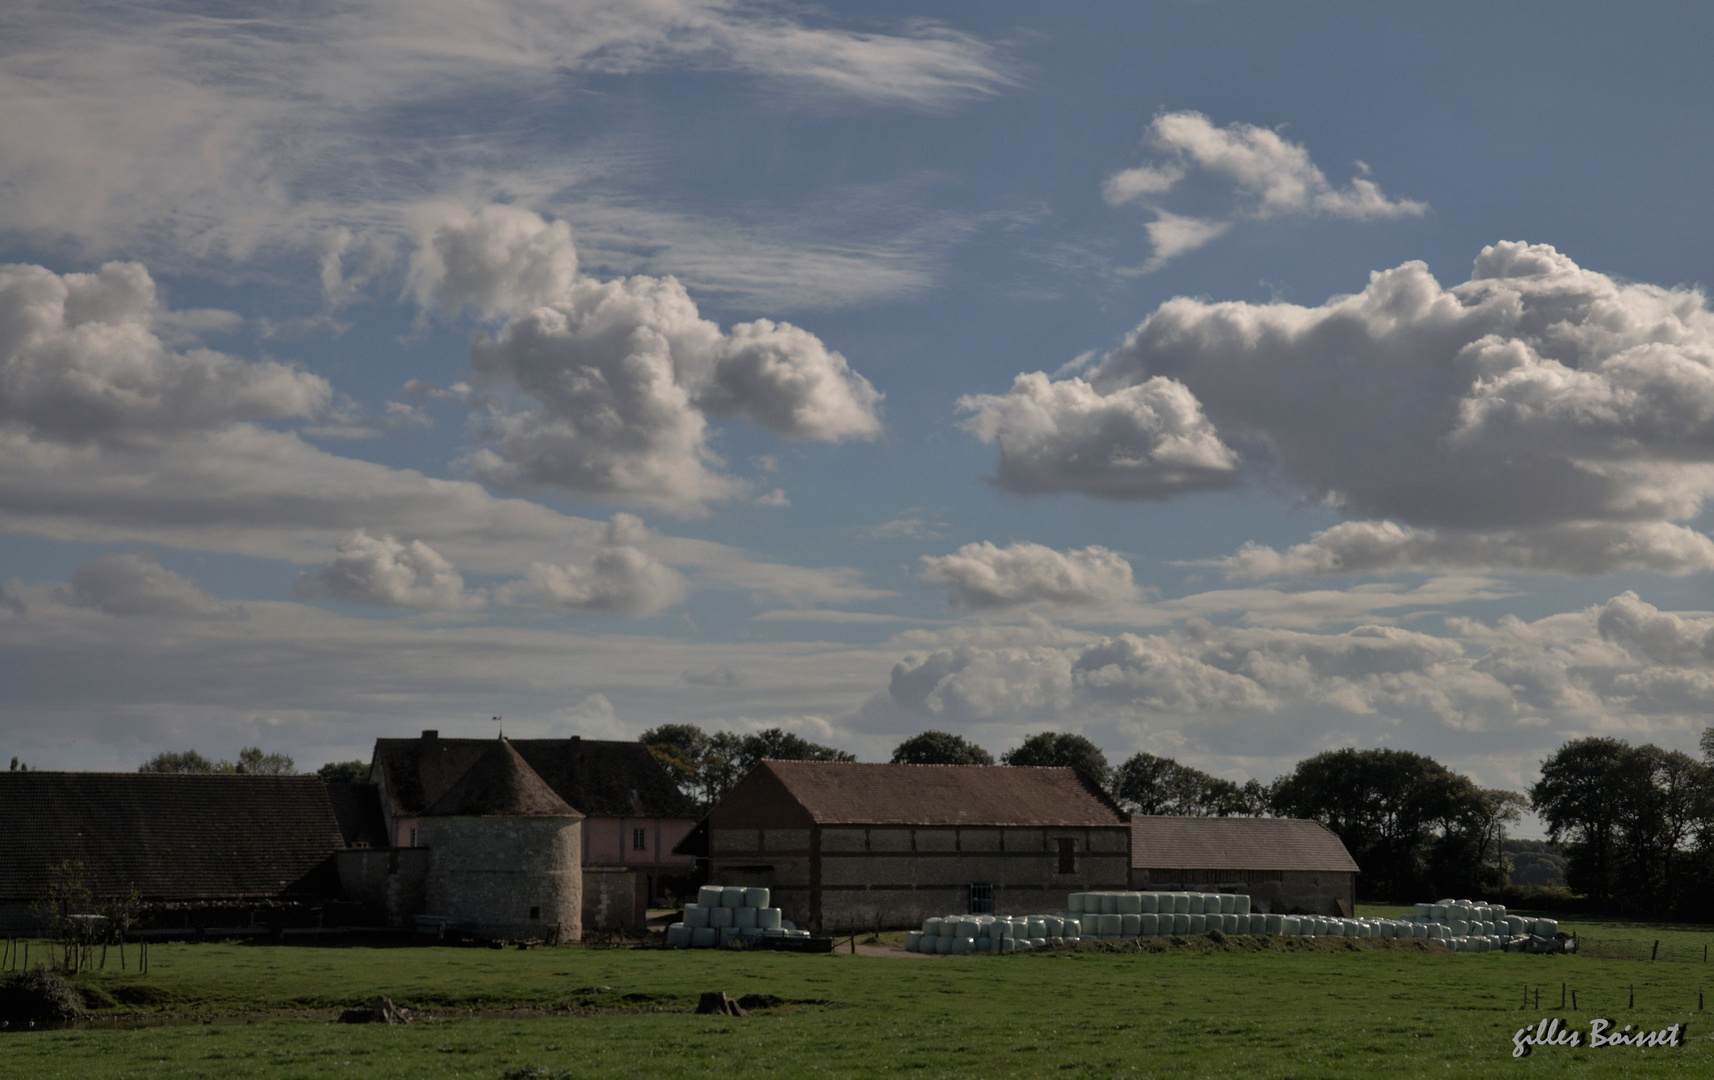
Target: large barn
{"points": [[846, 846], [216, 848], [1284, 864]]}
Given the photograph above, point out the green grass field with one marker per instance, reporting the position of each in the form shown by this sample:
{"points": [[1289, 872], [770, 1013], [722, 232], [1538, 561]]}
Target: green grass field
{"points": [[1322, 1010]]}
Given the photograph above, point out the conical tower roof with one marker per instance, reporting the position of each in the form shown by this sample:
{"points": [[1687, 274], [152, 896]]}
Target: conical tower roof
{"points": [[500, 784]]}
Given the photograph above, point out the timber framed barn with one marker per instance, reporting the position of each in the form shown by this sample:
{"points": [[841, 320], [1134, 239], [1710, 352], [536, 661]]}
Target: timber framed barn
{"points": [[1285, 864], [848, 846]]}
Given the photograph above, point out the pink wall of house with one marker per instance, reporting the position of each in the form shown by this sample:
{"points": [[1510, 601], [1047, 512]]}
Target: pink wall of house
{"points": [[635, 842]]}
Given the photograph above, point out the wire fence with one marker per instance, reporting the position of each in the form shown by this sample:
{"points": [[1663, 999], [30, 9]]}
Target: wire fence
{"points": [[1664, 950]]}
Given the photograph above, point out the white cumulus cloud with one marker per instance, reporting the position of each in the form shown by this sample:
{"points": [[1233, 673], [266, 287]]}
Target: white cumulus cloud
{"points": [[384, 572], [1538, 415], [1147, 440], [621, 579], [984, 575], [135, 583], [1271, 176]]}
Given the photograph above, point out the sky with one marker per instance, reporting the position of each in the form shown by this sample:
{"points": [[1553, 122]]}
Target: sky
{"points": [[1228, 381]]}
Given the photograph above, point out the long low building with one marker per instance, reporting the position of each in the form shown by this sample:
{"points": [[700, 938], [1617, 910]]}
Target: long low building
{"points": [[847, 846], [1286, 865]]}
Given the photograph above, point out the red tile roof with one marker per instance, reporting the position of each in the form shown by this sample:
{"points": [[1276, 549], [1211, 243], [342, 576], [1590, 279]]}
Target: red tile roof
{"points": [[500, 784], [847, 793], [1236, 843]]}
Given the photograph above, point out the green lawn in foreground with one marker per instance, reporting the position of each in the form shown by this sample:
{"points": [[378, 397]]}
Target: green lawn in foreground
{"points": [[1324, 1011]]}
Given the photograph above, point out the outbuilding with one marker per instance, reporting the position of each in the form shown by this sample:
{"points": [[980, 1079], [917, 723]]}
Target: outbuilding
{"points": [[1284, 864], [847, 846]]}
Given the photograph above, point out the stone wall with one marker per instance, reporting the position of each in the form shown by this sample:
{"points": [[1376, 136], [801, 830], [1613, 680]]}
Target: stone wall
{"points": [[390, 883], [509, 877]]}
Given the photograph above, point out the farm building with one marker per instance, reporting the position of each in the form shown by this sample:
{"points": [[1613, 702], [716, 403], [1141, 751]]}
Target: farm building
{"points": [[207, 849], [633, 813], [1284, 864], [845, 845]]}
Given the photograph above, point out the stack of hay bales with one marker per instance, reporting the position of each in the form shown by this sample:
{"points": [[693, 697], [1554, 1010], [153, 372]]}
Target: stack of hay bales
{"points": [[1118, 916], [726, 914]]}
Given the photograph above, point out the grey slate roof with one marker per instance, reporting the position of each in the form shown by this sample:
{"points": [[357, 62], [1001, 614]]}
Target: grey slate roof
{"points": [[598, 777], [858, 793], [358, 808], [1236, 843], [185, 836]]}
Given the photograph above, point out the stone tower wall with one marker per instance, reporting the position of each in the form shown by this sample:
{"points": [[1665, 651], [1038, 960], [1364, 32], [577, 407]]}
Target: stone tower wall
{"points": [[509, 877]]}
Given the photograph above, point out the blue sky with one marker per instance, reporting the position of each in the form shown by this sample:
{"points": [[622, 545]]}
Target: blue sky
{"points": [[389, 366]]}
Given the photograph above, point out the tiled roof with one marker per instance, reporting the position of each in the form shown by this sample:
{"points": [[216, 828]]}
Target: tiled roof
{"points": [[174, 836], [358, 808], [599, 777], [500, 784], [1236, 843], [836, 793]]}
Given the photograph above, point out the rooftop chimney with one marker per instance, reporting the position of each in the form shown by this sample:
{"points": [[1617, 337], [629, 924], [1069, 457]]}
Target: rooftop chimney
{"points": [[430, 735]]}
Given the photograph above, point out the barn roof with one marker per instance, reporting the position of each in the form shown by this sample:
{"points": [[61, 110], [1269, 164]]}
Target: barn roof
{"points": [[599, 777], [184, 836], [358, 809], [852, 793], [500, 784], [1236, 843]]}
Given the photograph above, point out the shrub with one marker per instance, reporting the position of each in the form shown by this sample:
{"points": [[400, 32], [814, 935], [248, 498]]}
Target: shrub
{"points": [[38, 995]]}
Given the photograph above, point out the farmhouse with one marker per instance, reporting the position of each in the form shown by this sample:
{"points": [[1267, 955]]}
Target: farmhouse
{"points": [[632, 812], [1285, 864], [846, 845]]}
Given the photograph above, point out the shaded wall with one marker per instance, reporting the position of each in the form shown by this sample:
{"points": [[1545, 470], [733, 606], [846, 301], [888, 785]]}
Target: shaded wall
{"points": [[390, 884], [834, 879], [1318, 892], [614, 898]]}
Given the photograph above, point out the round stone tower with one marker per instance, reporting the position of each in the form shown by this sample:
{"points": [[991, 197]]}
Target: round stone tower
{"points": [[505, 852]]}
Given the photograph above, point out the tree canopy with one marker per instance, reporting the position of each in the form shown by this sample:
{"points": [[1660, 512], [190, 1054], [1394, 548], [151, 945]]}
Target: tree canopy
{"points": [[1063, 749], [940, 748], [252, 761], [350, 772], [707, 766], [1146, 784]]}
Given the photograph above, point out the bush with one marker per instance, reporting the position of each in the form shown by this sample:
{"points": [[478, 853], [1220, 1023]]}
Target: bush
{"points": [[39, 996], [1541, 898]]}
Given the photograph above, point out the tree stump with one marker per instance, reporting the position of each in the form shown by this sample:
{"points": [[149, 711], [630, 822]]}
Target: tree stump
{"points": [[719, 1003], [382, 1012]]}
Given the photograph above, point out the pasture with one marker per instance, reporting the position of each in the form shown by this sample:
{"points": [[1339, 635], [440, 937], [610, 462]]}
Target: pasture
{"points": [[1246, 1008]]}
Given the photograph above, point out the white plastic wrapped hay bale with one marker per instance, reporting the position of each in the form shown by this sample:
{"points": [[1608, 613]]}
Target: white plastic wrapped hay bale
{"points": [[1074, 902], [695, 916], [1499, 911], [1192, 903], [1271, 924], [963, 946], [709, 896], [1419, 912], [728, 934], [1111, 925], [731, 896], [1130, 903], [1195, 924], [1228, 903], [1287, 924], [1180, 903], [1546, 927], [756, 898], [678, 936], [704, 937], [931, 925], [1241, 904], [1514, 925], [1109, 903], [1130, 925], [744, 918], [1148, 924], [720, 918], [1148, 903], [913, 938]]}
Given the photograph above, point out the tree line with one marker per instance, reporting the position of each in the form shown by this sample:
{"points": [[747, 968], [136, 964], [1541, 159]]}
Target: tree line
{"points": [[1636, 823]]}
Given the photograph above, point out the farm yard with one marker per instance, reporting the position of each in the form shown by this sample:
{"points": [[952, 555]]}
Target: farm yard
{"points": [[1184, 1007]]}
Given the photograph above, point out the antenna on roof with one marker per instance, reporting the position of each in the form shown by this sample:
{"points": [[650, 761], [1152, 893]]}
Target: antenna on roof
{"points": [[502, 727]]}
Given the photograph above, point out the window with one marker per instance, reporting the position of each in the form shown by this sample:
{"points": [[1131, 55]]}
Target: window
{"points": [[535, 914], [1068, 856], [981, 899], [639, 839]]}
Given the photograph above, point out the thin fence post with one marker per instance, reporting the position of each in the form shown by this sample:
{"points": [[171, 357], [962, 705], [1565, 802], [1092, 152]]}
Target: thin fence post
{"points": [[1633, 1003], [1655, 954], [1573, 1001], [1562, 995]]}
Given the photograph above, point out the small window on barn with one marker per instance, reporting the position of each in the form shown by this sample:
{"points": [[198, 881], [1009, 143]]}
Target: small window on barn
{"points": [[981, 899], [1067, 856], [535, 913], [639, 839]]}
